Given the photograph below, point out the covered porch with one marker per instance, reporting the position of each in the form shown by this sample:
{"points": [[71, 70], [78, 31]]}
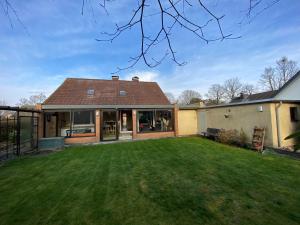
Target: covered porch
{"points": [[76, 126], [94, 125], [90, 125]]}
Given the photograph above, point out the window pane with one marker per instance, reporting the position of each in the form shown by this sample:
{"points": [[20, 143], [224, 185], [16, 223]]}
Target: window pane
{"points": [[155, 121], [84, 117], [294, 114], [145, 121], [164, 120], [83, 123]]}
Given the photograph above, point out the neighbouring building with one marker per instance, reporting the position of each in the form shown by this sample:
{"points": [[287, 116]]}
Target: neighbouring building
{"points": [[93, 110], [277, 111]]}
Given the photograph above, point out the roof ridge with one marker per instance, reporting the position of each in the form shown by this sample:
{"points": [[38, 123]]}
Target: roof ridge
{"points": [[82, 78], [263, 92]]}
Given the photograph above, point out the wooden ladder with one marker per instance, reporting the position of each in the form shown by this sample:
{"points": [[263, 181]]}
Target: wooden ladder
{"points": [[258, 138]]}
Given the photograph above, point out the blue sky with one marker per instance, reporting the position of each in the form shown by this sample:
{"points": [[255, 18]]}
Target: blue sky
{"points": [[59, 42]]}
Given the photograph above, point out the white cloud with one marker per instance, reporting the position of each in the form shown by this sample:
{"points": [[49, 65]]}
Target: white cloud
{"points": [[201, 72], [143, 75]]}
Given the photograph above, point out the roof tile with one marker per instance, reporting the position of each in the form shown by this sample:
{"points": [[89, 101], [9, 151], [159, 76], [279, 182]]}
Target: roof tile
{"points": [[73, 91]]}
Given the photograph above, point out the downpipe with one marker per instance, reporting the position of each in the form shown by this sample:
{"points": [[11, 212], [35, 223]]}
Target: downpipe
{"points": [[278, 124]]}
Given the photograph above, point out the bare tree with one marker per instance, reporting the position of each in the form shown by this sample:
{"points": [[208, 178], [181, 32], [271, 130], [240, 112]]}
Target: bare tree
{"points": [[232, 87], [285, 69], [187, 95], [274, 78], [248, 89], [32, 100], [195, 100], [215, 93], [170, 97], [269, 80], [169, 15]]}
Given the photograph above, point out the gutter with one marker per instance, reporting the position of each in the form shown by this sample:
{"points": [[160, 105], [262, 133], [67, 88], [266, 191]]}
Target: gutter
{"points": [[278, 128], [60, 107], [270, 100]]}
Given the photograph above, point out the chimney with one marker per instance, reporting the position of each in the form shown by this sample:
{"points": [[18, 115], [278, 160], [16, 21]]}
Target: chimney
{"points": [[115, 77], [135, 78]]}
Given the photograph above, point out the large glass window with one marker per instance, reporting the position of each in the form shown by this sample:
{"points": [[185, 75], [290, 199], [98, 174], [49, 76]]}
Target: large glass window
{"points": [[84, 117], [164, 120], [154, 121], [83, 124], [145, 121]]}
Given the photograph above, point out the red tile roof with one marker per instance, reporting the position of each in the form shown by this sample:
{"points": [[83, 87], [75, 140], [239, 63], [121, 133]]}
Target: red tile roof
{"points": [[73, 91]]}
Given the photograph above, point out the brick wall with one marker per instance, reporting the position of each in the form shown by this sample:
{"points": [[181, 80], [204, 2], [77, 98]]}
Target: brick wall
{"points": [[154, 135], [81, 140], [98, 130], [136, 135]]}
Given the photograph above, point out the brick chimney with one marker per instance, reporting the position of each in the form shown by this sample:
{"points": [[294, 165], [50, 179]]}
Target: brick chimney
{"points": [[243, 96], [135, 78], [115, 77]]}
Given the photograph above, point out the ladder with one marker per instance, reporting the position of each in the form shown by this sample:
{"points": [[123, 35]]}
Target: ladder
{"points": [[258, 138]]}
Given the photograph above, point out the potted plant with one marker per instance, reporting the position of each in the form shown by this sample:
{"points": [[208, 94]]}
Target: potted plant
{"points": [[295, 135]]}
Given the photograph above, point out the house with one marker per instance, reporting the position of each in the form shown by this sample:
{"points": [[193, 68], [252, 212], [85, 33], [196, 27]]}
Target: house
{"points": [[277, 111], [93, 110]]}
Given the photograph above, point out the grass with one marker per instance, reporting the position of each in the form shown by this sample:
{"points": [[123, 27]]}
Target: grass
{"points": [[168, 181]]}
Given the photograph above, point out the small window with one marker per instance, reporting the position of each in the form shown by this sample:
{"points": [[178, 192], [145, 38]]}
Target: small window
{"points": [[294, 114], [123, 93], [90, 92]]}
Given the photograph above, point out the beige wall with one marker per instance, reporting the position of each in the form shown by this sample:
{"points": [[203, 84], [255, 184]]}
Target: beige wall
{"points": [[187, 122], [285, 124], [244, 117]]}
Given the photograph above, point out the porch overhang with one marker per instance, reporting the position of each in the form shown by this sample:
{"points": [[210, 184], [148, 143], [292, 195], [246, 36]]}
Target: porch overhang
{"points": [[74, 107]]}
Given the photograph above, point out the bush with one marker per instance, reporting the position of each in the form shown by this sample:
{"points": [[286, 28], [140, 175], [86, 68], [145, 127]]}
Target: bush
{"points": [[296, 137], [233, 137], [243, 139], [228, 136]]}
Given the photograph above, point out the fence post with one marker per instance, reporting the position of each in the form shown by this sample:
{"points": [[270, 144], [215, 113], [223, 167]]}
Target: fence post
{"points": [[0, 129], [37, 119], [15, 133], [32, 130], [18, 132], [7, 137]]}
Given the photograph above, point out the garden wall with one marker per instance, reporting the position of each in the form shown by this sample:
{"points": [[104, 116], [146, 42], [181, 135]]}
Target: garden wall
{"points": [[187, 122]]}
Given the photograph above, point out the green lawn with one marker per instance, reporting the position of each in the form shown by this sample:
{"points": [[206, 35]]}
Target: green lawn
{"points": [[167, 181]]}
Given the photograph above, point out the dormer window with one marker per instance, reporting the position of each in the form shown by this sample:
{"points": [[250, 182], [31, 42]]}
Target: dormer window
{"points": [[123, 93], [90, 92]]}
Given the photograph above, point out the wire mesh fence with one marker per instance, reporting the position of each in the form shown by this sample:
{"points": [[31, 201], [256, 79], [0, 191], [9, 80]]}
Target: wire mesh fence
{"points": [[8, 140], [18, 133]]}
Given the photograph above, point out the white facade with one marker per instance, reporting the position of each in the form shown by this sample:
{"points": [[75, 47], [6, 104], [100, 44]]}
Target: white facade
{"points": [[291, 91]]}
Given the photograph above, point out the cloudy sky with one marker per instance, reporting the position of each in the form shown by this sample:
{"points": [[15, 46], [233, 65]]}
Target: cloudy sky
{"points": [[51, 40]]}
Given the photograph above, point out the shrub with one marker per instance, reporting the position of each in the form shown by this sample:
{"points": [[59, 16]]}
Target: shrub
{"points": [[296, 137], [243, 138], [229, 136]]}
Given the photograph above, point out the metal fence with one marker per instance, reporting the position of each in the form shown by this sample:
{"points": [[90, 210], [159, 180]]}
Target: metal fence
{"points": [[18, 131]]}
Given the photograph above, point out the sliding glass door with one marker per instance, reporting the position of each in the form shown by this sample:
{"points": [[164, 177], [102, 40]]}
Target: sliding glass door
{"points": [[109, 125]]}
